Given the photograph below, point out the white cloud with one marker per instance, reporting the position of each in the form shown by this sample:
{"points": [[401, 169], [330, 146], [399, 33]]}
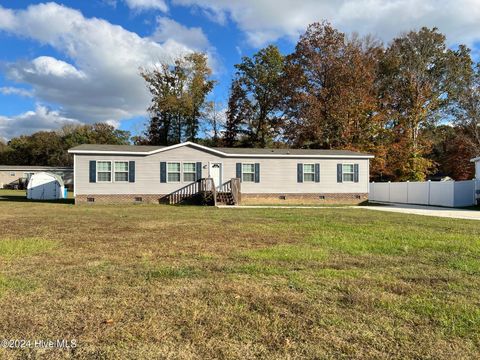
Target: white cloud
{"points": [[9, 90], [168, 29], [147, 5], [265, 20], [42, 119], [98, 78]]}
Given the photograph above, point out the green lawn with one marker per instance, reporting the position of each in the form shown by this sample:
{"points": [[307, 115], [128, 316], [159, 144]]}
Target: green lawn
{"points": [[154, 281]]}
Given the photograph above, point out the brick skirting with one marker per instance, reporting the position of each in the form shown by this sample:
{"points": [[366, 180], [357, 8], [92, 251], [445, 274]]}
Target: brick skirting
{"points": [[120, 199], [320, 198], [247, 199]]}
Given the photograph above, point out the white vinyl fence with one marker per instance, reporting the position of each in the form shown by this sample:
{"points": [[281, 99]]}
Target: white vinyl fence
{"points": [[436, 193]]}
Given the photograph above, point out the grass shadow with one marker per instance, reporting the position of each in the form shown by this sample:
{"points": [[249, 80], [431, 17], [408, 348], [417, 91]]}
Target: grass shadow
{"points": [[20, 196]]}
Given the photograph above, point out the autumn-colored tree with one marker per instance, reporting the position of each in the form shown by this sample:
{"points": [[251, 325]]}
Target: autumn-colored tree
{"points": [[419, 76], [466, 113], [331, 97], [199, 86], [255, 99], [451, 151], [238, 112], [178, 96]]}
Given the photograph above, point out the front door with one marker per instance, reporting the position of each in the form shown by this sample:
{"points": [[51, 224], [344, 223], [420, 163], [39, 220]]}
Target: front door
{"points": [[216, 173]]}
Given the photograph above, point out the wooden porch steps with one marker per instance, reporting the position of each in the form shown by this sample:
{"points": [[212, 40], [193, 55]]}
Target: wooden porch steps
{"points": [[225, 198]]}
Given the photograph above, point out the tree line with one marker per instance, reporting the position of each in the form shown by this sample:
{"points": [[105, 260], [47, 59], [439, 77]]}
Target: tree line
{"points": [[49, 148], [413, 103]]}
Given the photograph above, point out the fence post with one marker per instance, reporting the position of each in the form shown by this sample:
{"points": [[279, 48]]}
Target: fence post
{"points": [[389, 189], [408, 202], [429, 189], [454, 191], [372, 190]]}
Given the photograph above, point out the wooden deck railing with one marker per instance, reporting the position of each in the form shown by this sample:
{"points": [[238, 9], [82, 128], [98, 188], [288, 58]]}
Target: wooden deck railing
{"points": [[233, 187], [201, 191], [204, 192]]}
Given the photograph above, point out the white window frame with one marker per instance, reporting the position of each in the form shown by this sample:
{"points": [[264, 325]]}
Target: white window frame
{"points": [[313, 173], [243, 173], [183, 172], [180, 172], [114, 171], [348, 172], [111, 171]]}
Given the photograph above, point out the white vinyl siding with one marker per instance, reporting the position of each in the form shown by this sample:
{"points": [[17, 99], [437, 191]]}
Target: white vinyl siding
{"points": [[104, 171], [189, 171], [121, 171], [173, 172], [348, 173], [248, 172], [308, 172], [278, 175]]}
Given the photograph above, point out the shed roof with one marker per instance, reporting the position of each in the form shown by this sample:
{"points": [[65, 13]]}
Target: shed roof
{"points": [[33, 168]]}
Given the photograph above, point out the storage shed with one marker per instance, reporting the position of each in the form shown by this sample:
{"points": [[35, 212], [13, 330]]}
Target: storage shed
{"points": [[45, 186]]}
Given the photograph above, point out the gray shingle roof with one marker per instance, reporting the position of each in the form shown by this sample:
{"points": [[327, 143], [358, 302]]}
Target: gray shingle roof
{"points": [[258, 151], [230, 151], [123, 148]]}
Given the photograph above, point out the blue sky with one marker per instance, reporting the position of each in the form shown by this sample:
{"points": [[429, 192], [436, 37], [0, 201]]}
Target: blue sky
{"points": [[74, 62]]}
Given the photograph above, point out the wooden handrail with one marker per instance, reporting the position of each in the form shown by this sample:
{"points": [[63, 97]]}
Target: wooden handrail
{"points": [[235, 190], [207, 188]]}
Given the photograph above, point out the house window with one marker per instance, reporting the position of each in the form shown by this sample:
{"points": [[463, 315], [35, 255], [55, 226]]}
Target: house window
{"points": [[12, 174], [28, 175], [248, 172], [173, 172], [308, 172], [189, 172], [121, 171], [348, 172], [104, 171]]}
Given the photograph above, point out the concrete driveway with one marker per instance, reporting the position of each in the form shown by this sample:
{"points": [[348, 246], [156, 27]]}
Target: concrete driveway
{"points": [[427, 211]]}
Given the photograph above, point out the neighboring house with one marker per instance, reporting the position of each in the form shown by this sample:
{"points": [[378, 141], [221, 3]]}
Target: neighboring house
{"points": [[17, 176], [477, 177], [477, 167], [127, 173]]}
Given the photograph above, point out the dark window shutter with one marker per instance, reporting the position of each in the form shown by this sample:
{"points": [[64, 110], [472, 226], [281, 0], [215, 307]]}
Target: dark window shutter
{"points": [[339, 173], [131, 171], [317, 172], [163, 172], [93, 171], [257, 172], [199, 171], [299, 173], [355, 172], [239, 171]]}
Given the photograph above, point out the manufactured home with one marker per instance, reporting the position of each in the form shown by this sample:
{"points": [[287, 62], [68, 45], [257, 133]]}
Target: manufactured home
{"points": [[17, 176], [128, 173]]}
